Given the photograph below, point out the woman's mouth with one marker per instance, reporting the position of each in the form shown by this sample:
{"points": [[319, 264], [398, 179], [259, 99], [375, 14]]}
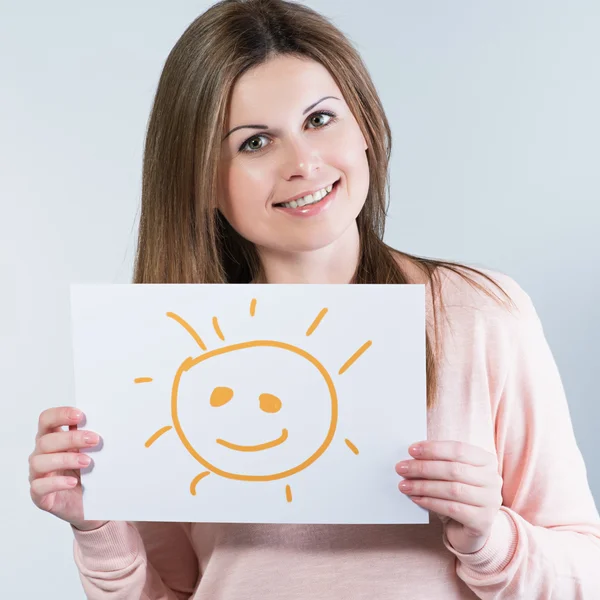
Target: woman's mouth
{"points": [[311, 204]]}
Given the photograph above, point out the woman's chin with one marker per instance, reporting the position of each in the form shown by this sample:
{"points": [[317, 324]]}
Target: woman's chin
{"points": [[299, 247], [308, 242]]}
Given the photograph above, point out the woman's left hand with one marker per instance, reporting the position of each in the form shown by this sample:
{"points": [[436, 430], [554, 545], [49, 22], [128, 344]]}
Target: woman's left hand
{"points": [[458, 481]]}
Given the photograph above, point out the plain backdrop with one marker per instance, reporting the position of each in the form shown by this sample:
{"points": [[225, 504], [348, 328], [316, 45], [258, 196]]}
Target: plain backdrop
{"points": [[494, 111]]}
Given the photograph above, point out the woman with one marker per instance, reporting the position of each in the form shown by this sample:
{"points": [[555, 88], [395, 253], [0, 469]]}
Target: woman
{"points": [[266, 161]]}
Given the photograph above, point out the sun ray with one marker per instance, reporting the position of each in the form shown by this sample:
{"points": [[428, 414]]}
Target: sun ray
{"points": [[156, 435], [355, 357], [316, 322], [253, 307], [217, 328], [188, 328], [142, 380], [196, 480], [351, 446], [288, 493]]}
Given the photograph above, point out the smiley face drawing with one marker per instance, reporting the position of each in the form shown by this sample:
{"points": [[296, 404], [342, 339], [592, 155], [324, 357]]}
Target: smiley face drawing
{"points": [[271, 448]]}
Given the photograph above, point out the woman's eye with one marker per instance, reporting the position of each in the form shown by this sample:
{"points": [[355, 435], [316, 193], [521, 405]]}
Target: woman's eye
{"points": [[251, 144], [317, 120]]}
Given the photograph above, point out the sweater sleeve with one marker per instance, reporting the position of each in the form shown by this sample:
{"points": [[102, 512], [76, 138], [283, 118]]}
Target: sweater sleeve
{"points": [[149, 561], [545, 542]]}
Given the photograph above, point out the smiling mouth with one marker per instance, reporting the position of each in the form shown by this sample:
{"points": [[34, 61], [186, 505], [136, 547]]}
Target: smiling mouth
{"points": [[301, 202], [257, 447]]}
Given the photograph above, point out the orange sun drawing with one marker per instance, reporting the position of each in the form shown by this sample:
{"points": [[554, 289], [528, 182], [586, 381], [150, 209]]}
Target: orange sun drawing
{"points": [[268, 403]]}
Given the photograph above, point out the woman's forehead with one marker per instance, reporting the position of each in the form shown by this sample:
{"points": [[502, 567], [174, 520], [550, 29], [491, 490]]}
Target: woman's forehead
{"points": [[280, 85]]}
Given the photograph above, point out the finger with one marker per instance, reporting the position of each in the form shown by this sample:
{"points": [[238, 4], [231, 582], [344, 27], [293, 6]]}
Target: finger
{"points": [[61, 441], [73, 428], [467, 515], [46, 485], [447, 490], [452, 450], [446, 471], [42, 464], [52, 418]]}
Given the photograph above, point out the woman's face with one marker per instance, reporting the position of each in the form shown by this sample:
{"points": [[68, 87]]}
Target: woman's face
{"points": [[290, 135]]}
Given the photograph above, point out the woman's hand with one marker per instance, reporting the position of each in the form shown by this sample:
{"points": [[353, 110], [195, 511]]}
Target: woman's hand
{"points": [[458, 481], [55, 463]]}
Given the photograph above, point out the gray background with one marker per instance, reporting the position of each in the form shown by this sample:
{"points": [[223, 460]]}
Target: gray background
{"points": [[494, 110]]}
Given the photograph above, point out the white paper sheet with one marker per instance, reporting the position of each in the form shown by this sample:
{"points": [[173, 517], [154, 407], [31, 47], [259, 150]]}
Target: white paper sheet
{"points": [[250, 403]]}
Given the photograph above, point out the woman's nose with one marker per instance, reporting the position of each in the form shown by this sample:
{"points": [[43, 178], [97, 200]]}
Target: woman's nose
{"points": [[300, 159]]}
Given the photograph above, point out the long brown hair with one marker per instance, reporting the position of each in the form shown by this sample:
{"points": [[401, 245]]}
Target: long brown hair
{"points": [[183, 238]]}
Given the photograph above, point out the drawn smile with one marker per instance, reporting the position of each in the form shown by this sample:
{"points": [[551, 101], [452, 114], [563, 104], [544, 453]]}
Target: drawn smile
{"points": [[257, 447]]}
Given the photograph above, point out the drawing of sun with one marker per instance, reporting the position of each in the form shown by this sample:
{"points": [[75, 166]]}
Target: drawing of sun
{"points": [[208, 395]]}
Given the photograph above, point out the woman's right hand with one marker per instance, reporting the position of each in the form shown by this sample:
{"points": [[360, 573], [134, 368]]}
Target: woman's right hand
{"points": [[55, 463]]}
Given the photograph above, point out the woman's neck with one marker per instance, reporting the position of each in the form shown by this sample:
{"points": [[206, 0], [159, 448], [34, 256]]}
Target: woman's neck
{"points": [[335, 263]]}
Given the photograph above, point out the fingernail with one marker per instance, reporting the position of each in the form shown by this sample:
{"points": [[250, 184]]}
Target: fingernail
{"points": [[75, 415], [402, 468], [405, 486], [415, 450], [91, 438], [84, 460]]}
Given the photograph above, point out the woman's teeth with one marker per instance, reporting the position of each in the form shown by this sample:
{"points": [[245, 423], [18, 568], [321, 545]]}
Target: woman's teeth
{"points": [[310, 199]]}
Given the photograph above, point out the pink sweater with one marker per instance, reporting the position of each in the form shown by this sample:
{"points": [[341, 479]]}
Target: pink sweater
{"points": [[499, 389]]}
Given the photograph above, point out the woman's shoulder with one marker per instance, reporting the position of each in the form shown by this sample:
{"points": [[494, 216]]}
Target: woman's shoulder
{"points": [[486, 313], [469, 293], [482, 290]]}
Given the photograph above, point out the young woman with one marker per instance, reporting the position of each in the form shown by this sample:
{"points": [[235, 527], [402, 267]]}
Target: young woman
{"points": [[266, 161]]}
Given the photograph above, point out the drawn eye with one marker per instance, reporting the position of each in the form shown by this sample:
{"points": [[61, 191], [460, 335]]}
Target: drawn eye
{"points": [[221, 396], [269, 403]]}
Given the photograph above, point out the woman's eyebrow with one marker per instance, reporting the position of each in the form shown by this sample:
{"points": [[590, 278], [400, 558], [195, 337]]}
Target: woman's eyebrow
{"points": [[267, 127]]}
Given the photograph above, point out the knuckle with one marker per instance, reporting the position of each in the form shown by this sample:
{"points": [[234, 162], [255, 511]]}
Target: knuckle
{"points": [[35, 487], [459, 451], [42, 445], [456, 490], [420, 467], [454, 509], [34, 462], [42, 418], [38, 499], [499, 499], [456, 470]]}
